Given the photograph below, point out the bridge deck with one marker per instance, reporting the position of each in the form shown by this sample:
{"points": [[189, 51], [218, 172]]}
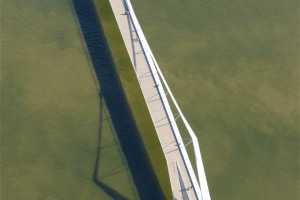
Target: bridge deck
{"points": [[181, 182]]}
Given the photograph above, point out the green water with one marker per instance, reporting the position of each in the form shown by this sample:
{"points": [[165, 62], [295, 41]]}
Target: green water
{"points": [[51, 129], [234, 67]]}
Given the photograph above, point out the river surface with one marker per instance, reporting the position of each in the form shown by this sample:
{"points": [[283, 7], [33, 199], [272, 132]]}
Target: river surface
{"points": [[234, 68], [58, 141]]}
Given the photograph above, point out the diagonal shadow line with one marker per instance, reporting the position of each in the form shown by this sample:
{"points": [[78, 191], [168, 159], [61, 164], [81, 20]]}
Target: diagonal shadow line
{"points": [[131, 36], [116, 103], [110, 191], [183, 189]]}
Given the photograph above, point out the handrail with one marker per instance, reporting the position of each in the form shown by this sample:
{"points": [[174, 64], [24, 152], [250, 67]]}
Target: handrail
{"points": [[199, 163], [201, 190]]}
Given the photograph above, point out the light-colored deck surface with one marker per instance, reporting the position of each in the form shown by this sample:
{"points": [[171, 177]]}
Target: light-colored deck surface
{"points": [[180, 179]]}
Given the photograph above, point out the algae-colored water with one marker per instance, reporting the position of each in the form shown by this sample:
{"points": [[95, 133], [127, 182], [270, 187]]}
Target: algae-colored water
{"points": [[234, 67], [53, 136]]}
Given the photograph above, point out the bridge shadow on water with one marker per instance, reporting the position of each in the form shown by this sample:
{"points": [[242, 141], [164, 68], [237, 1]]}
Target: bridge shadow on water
{"points": [[121, 117]]}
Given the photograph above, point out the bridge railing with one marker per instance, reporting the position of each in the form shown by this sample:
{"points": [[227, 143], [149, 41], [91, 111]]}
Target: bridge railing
{"points": [[200, 185]]}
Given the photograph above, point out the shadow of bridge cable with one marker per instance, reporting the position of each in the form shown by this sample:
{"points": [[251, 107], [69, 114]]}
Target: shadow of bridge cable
{"points": [[120, 115], [108, 190]]}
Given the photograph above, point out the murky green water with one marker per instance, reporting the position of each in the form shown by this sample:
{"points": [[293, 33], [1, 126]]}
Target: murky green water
{"points": [[234, 67], [52, 136]]}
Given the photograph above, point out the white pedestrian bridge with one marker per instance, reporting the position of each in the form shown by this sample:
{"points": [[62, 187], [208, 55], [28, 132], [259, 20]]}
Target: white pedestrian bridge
{"points": [[185, 183]]}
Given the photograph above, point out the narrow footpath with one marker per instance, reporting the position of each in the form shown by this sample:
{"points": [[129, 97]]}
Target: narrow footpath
{"points": [[181, 178]]}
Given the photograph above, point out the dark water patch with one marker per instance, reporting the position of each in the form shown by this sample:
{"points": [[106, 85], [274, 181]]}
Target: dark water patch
{"points": [[121, 117]]}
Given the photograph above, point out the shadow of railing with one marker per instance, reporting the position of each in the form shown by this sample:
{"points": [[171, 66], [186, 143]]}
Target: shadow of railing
{"points": [[121, 117]]}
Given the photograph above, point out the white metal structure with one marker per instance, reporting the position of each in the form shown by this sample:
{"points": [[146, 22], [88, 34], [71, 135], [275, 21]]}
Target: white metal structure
{"points": [[199, 182]]}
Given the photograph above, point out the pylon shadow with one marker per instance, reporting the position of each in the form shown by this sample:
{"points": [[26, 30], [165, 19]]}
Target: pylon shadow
{"points": [[116, 103]]}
